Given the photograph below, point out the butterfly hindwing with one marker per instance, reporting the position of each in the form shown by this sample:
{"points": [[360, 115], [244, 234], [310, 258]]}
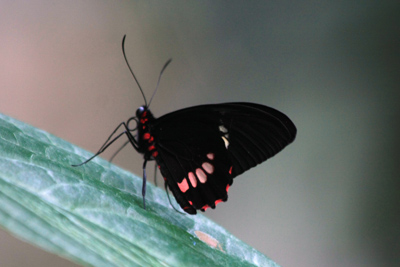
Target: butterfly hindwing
{"points": [[195, 162], [201, 149]]}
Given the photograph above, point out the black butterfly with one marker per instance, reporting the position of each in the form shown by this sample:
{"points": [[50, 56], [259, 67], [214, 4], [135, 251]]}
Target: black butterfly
{"points": [[199, 150]]}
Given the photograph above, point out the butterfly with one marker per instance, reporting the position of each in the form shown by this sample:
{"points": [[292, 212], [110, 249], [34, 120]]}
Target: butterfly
{"points": [[200, 149]]}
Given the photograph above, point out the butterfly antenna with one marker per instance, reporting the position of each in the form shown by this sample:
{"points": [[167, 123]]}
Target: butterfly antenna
{"points": [[127, 63], [159, 78]]}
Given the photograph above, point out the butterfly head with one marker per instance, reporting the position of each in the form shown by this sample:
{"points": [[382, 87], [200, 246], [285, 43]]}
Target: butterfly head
{"points": [[141, 111], [144, 115]]}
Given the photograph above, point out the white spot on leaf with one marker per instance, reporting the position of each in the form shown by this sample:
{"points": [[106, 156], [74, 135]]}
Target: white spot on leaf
{"points": [[209, 240]]}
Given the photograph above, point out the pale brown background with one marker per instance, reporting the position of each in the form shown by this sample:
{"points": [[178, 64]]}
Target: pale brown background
{"points": [[329, 199]]}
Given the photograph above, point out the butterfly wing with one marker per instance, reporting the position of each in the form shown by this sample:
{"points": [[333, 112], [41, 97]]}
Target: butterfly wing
{"points": [[202, 148]]}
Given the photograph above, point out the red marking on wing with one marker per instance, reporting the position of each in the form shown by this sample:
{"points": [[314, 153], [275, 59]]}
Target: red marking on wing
{"points": [[230, 170], [183, 186], [217, 201], [146, 136], [151, 139], [151, 148], [227, 187], [155, 154], [191, 203], [205, 207]]}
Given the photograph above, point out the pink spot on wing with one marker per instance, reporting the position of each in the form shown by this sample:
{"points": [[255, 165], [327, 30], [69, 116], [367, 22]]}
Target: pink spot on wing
{"points": [[230, 170], [183, 186], [227, 187], [191, 203], [201, 175], [192, 179], [210, 156], [208, 167]]}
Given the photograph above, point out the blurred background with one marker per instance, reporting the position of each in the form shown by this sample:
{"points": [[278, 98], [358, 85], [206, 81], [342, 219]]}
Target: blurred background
{"points": [[332, 198]]}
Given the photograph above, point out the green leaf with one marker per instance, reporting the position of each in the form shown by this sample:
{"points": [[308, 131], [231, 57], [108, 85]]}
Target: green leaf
{"points": [[93, 214]]}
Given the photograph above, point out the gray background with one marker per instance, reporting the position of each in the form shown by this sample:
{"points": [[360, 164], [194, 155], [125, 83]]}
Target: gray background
{"points": [[329, 199]]}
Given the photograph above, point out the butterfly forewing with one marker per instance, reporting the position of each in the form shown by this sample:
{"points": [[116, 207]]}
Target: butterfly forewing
{"points": [[256, 133], [200, 149]]}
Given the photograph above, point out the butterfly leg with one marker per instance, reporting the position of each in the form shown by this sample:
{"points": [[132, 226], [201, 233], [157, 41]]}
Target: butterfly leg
{"points": [[132, 140], [169, 199], [144, 183]]}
